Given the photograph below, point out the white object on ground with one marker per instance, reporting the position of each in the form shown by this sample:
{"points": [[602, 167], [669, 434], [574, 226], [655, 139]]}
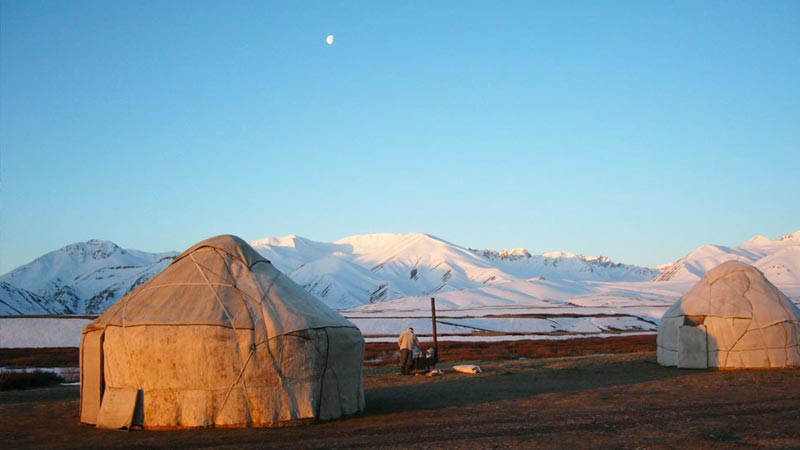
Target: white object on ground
{"points": [[467, 368]]}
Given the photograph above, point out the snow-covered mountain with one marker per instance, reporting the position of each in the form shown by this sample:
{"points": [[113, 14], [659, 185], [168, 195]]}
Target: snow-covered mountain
{"points": [[376, 267], [779, 259], [372, 269], [520, 263], [20, 301], [85, 277]]}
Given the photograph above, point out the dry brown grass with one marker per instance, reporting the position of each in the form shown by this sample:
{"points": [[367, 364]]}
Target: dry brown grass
{"points": [[387, 353], [591, 401], [28, 380], [20, 358]]}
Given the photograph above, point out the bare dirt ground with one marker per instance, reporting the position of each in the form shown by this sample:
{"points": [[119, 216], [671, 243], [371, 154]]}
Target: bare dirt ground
{"points": [[595, 401]]}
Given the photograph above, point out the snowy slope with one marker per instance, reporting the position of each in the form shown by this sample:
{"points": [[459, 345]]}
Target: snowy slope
{"points": [[418, 263], [288, 253], [340, 283], [379, 267], [14, 301], [85, 277], [783, 266], [777, 258], [522, 264]]}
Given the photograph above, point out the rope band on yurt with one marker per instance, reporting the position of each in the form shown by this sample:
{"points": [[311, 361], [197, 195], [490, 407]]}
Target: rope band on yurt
{"points": [[235, 334], [230, 389], [263, 304], [252, 347], [125, 340], [324, 372], [216, 294]]}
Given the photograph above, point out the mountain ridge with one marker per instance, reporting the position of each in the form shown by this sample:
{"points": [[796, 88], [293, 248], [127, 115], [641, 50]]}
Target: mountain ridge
{"points": [[87, 277], [84, 277], [758, 251]]}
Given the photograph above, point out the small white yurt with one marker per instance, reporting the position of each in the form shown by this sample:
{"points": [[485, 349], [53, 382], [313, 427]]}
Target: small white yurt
{"points": [[732, 318], [219, 339]]}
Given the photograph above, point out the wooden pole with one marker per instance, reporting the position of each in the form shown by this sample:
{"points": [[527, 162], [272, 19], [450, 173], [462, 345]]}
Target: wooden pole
{"points": [[433, 318]]}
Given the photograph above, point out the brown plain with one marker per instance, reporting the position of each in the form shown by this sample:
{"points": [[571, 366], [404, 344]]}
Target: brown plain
{"points": [[532, 394]]}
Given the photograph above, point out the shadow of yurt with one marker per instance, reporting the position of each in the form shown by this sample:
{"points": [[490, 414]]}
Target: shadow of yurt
{"points": [[219, 339], [732, 318]]}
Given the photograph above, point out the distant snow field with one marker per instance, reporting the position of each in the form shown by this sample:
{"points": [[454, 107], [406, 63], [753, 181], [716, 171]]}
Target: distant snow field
{"points": [[472, 325], [38, 332], [476, 326]]}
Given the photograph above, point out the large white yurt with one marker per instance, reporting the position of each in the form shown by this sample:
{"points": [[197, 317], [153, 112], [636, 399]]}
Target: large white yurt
{"points": [[732, 318], [219, 339]]}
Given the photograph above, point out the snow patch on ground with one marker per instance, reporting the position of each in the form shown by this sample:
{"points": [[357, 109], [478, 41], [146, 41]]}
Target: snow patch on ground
{"points": [[532, 326]]}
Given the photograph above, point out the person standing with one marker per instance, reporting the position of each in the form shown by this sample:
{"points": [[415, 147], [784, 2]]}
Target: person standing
{"points": [[407, 342]]}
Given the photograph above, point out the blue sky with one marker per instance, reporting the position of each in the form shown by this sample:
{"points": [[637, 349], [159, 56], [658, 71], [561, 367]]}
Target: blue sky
{"points": [[637, 130]]}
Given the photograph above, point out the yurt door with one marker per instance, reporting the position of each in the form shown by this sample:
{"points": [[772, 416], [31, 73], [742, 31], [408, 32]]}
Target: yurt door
{"points": [[692, 347], [92, 385]]}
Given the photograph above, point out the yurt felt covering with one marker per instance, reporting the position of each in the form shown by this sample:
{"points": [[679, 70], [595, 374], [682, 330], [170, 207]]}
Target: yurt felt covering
{"points": [[732, 318], [219, 339]]}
